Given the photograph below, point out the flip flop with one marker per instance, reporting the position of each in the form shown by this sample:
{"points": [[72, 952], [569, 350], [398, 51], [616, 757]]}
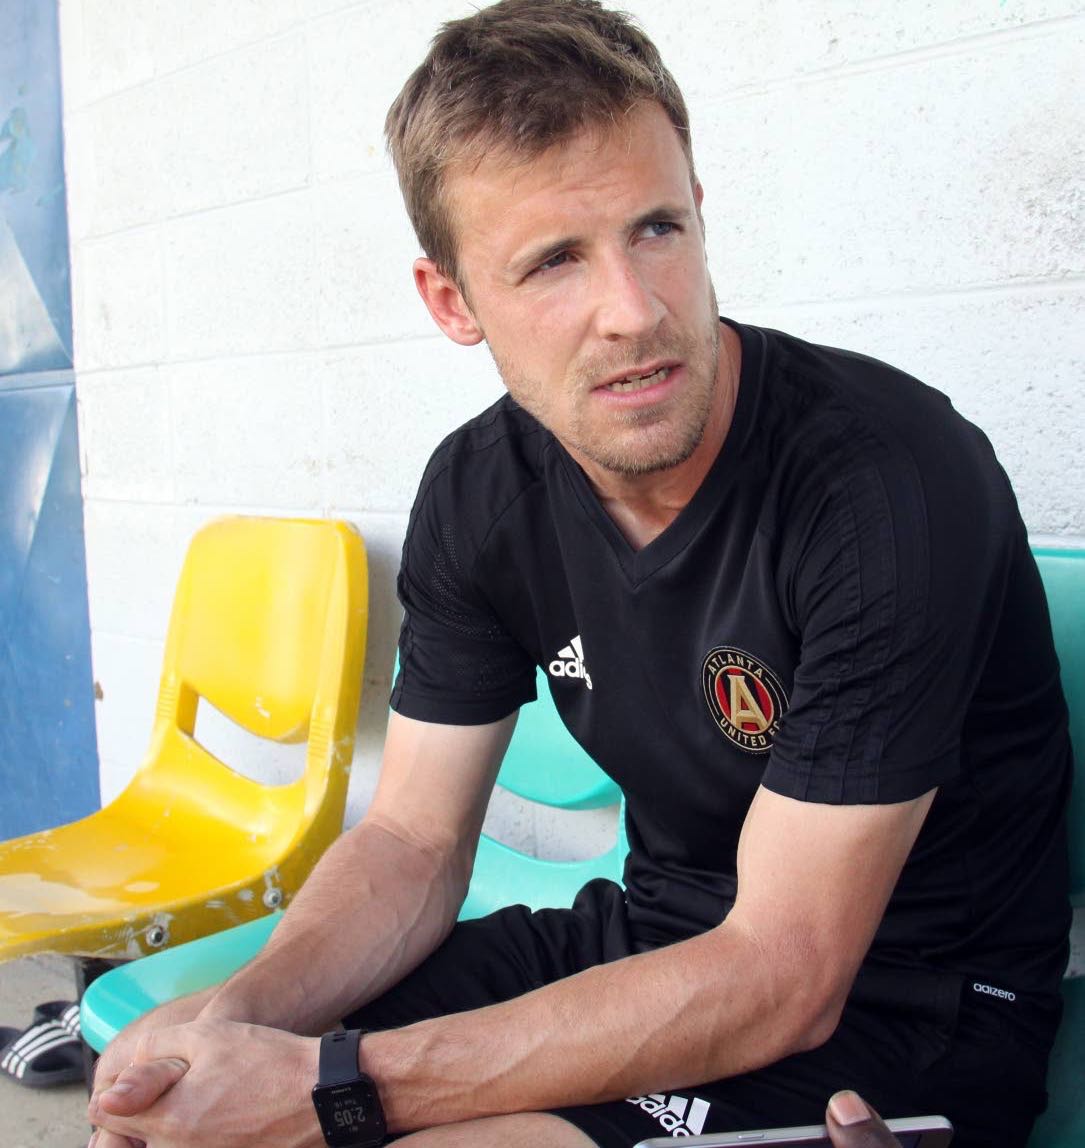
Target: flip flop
{"points": [[65, 1013], [41, 1056]]}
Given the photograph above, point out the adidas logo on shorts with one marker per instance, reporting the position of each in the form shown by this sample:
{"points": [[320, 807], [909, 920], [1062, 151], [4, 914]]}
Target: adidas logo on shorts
{"points": [[570, 663], [679, 1115]]}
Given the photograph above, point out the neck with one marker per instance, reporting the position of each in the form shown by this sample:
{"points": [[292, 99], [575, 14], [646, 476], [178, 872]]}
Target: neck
{"points": [[642, 506]]}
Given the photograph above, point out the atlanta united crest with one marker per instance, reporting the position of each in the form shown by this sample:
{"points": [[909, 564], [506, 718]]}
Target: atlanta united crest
{"points": [[744, 697]]}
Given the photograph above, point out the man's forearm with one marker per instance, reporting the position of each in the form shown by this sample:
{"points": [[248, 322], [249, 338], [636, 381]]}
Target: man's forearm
{"points": [[375, 906], [706, 1008]]}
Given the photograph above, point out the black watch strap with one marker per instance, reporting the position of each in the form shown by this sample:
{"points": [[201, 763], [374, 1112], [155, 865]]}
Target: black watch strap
{"points": [[346, 1100], [339, 1056]]}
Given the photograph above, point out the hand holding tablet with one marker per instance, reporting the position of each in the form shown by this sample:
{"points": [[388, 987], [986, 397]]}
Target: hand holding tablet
{"points": [[849, 1123]]}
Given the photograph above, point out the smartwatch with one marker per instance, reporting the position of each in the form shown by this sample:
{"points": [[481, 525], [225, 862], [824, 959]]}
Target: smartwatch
{"points": [[345, 1099]]}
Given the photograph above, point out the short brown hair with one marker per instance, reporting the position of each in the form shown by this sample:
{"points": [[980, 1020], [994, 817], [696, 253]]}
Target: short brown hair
{"points": [[519, 76]]}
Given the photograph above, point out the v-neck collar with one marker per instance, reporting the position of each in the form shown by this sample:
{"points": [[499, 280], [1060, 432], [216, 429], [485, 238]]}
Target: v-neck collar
{"points": [[639, 565]]}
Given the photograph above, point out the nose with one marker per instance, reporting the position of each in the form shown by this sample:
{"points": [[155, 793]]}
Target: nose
{"points": [[626, 306]]}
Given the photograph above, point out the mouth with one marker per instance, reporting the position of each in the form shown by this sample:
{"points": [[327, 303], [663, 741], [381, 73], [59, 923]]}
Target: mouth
{"points": [[629, 384]]}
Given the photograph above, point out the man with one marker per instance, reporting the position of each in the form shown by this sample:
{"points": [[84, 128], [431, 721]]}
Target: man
{"points": [[815, 656]]}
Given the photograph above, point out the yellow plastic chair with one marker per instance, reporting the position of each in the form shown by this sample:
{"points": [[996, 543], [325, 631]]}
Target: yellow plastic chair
{"points": [[269, 627]]}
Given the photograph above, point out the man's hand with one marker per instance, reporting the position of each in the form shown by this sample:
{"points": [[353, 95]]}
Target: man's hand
{"points": [[212, 1084], [121, 1052], [135, 1089], [852, 1123]]}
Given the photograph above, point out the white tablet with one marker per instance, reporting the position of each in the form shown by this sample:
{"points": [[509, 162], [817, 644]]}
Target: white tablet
{"points": [[911, 1131]]}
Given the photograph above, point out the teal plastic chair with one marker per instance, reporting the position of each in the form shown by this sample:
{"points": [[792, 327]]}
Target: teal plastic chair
{"points": [[1063, 1124], [543, 764]]}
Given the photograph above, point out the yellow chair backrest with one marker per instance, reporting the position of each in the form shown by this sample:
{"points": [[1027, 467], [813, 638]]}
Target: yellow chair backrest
{"points": [[268, 627]]}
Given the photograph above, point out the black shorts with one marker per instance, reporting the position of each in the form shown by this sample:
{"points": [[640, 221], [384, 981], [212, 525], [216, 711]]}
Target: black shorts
{"points": [[911, 1044]]}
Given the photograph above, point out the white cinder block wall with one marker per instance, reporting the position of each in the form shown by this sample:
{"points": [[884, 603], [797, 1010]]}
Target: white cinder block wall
{"points": [[903, 179]]}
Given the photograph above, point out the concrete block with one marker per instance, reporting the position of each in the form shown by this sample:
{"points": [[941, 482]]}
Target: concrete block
{"points": [[511, 820], [118, 49], [1010, 361], [247, 431], [317, 8], [937, 173], [553, 834], [235, 127], [73, 53], [383, 534], [80, 165], [124, 435], [364, 247], [755, 46], [829, 35], [257, 758], [710, 52], [126, 673], [117, 297], [241, 280], [116, 147], [359, 59], [197, 30], [741, 160], [348, 108], [972, 185], [389, 406], [134, 557], [574, 834]]}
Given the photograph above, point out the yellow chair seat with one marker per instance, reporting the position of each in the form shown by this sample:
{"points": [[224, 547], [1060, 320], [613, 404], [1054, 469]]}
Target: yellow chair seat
{"points": [[269, 626], [92, 886]]}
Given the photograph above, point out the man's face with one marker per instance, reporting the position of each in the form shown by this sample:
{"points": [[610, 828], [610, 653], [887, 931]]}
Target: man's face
{"points": [[584, 270]]}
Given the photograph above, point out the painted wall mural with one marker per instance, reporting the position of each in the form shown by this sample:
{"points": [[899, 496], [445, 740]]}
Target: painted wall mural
{"points": [[48, 755]]}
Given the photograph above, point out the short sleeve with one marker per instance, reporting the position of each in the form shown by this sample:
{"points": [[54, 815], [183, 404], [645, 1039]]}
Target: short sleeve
{"points": [[458, 664], [893, 586]]}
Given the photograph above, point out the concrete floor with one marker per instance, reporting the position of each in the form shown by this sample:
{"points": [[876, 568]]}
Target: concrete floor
{"points": [[31, 1117]]}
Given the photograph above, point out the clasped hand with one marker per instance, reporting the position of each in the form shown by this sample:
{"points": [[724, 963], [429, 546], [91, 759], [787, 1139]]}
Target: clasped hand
{"points": [[208, 1084]]}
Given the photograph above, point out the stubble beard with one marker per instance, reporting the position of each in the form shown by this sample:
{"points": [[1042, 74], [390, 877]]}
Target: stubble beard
{"points": [[654, 439]]}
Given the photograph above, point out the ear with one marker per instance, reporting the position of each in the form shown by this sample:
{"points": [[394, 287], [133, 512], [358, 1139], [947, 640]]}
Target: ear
{"points": [[446, 303], [698, 199]]}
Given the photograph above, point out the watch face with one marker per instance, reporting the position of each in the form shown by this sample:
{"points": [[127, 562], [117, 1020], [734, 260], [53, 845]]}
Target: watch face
{"points": [[350, 1114]]}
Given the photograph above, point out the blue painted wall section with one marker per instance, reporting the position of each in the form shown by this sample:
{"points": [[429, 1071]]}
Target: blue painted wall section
{"points": [[37, 334], [48, 754]]}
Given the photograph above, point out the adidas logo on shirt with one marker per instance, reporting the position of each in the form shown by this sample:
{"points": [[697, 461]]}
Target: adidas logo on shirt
{"points": [[679, 1115], [570, 663]]}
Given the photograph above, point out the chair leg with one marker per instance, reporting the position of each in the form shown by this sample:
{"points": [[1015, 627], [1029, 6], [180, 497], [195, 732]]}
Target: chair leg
{"points": [[88, 970]]}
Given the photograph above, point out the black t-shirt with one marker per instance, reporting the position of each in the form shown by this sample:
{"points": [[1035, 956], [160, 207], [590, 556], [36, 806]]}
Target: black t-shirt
{"points": [[845, 612]]}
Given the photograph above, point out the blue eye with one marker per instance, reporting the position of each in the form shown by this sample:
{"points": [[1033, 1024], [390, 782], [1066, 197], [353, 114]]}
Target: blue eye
{"points": [[554, 261], [660, 227]]}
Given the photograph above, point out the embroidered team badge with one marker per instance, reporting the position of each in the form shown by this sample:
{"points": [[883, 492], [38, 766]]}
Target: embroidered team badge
{"points": [[744, 697]]}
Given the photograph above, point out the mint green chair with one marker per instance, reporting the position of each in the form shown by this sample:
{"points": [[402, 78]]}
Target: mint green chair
{"points": [[543, 764], [1063, 1124]]}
